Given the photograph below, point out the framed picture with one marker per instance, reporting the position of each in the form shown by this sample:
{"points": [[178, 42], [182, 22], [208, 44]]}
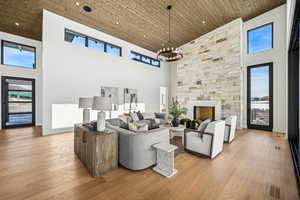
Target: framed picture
{"points": [[113, 94], [130, 99]]}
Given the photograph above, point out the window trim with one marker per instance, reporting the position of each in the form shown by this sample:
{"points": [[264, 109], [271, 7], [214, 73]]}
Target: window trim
{"points": [[16, 43], [86, 37], [272, 25], [140, 60]]}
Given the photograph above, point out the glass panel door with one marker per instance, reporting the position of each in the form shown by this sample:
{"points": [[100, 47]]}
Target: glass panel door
{"points": [[18, 102], [260, 98]]}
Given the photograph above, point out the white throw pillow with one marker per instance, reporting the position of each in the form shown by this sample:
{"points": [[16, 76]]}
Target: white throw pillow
{"points": [[203, 125], [134, 117], [138, 127], [148, 115]]}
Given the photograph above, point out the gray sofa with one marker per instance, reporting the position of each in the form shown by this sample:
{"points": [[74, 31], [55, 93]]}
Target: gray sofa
{"points": [[135, 148]]}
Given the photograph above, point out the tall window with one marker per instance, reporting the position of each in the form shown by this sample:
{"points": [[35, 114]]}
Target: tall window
{"points": [[260, 38], [144, 59], [84, 40], [18, 55], [260, 96]]}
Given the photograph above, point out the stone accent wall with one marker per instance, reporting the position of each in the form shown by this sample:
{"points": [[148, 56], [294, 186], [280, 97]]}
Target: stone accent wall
{"points": [[211, 69]]}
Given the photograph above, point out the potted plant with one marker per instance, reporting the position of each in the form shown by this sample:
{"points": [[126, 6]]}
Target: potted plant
{"points": [[176, 109]]}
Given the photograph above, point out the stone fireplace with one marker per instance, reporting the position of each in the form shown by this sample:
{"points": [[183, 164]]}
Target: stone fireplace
{"points": [[204, 112], [210, 72]]}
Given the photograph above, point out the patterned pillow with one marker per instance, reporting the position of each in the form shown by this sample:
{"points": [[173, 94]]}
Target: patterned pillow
{"points": [[203, 125], [134, 117], [138, 127]]}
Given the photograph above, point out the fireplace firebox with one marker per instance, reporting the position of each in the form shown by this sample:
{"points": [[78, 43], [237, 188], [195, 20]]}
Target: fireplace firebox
{"points": [[204, 112]]}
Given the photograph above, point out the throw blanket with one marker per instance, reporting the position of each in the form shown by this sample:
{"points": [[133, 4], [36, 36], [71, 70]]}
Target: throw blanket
{"points": [[151, 123]]}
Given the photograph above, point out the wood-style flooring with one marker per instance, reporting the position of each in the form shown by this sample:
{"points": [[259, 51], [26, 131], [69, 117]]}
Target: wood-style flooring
{"points": [[251, 167]]}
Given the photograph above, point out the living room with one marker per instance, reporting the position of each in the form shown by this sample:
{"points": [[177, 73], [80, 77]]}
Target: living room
{"points": [[204, 89]]}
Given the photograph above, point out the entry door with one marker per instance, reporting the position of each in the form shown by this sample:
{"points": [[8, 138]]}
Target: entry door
{"points": [[18, 102], [260, 96]]}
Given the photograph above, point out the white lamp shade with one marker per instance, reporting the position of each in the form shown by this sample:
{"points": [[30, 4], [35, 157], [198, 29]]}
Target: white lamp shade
{"points": [[102, 103], [85, 102]]}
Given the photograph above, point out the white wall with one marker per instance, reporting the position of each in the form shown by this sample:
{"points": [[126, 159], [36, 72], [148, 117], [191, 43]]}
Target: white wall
{"points": [[24, 72], [70, 71], [278, 56]]}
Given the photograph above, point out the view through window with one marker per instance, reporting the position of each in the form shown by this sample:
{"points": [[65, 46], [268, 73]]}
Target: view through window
{"points": [[260, 98], [260, 39]]}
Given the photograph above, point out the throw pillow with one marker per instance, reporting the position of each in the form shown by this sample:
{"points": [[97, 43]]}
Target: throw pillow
{"points": [[160, 115], [134, 117], [203, 125], [148, 115], [138, 127], [140, 116]]}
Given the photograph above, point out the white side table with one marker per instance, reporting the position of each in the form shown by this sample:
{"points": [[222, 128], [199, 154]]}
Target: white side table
{"points": [[165, 159]]}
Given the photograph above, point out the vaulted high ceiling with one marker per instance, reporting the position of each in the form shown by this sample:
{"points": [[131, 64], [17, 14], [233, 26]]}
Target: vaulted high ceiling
{"points": [[142, 22]]}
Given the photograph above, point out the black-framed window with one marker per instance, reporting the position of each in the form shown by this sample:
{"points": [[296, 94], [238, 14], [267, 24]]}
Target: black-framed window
{"points": [[260, 38], [75, 38], [113, 49], [260, 96], [19, 55], [145, 59], [84, 40], [96, 44]]}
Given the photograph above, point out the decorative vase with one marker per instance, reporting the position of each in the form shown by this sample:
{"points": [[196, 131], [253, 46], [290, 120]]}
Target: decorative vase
{"points": [[175, 122]]}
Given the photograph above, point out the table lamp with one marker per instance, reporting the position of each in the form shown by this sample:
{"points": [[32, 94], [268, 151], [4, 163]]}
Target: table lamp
{"points": [[102, 104], [86, 104]]}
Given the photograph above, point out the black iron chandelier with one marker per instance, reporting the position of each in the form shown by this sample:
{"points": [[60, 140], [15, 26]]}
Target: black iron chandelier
{"points": [[169, 53]]}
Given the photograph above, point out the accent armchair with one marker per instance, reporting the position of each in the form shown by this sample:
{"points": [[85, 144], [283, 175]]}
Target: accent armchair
{"points": [[208, 143], [230, 128]]}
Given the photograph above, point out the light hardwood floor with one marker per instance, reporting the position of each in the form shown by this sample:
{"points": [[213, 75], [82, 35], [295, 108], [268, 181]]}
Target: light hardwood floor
{"points": [[33, 167]]}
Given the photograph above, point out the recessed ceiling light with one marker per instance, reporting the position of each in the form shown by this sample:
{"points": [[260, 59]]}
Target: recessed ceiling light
{"points": [[77, 3], [17, 24], [203, 22], [117, 22], [87, 8]]}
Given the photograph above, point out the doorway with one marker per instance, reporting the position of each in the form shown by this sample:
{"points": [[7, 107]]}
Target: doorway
{"points": [[260, 96], [18, 102]]}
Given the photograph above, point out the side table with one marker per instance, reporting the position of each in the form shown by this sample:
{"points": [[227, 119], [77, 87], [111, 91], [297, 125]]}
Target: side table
{"points": [[165, 159], [98, 151], [177, 131]]}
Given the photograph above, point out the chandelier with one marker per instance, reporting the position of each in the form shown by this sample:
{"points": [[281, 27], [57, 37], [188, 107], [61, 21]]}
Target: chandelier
{"points": [[169, 53]]}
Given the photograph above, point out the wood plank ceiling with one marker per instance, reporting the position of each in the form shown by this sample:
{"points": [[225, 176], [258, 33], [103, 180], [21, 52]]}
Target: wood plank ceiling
{"points": [[142, 22]]}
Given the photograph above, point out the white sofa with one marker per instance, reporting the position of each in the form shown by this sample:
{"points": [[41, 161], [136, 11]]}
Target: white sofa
{"points": [[230, 128], [135, 148], [208, 143]]}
